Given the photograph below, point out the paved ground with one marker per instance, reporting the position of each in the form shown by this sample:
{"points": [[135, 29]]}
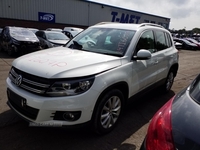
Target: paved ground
{"points": [[16, 134]]}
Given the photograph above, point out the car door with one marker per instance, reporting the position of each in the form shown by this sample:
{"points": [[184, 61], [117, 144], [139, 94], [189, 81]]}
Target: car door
{"points": [[144, 71], [164, 53]]}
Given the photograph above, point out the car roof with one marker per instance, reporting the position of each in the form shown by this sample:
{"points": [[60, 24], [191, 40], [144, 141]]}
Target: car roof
{"points": [[72, 29], [51, 31], [127, 26], [13, 27], [54, 29]]}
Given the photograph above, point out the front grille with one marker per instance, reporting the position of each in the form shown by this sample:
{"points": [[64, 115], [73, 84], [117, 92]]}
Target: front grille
{"points": [[19, 103], [29, 82]]}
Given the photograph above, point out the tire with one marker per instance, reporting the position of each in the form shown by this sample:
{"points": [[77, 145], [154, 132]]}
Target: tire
{"points": [[106, 117], [10, 51], [169, 81]]}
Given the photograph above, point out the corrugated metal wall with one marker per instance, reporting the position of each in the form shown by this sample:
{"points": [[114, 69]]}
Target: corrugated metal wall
{"points": [[66, 11], [74, 12]]}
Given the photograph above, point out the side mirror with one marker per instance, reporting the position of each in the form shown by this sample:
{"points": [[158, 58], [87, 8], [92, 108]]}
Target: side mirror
{"points": [[142, 55]]}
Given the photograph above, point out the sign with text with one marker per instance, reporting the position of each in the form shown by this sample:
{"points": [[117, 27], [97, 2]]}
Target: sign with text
{"points": [[46, 17]]}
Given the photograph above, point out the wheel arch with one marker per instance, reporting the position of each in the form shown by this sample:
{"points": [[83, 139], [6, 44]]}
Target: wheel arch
{"points": [[122, 86]]}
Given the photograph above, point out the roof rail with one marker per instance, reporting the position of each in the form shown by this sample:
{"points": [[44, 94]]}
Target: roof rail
{"points": [[104, 23], [150, 24]]}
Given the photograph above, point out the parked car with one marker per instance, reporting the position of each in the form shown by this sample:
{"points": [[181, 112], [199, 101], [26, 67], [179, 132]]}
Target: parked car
{"points": [[34, 30], [92, 77], [186, 44], [18, 40], [176, 125], [50, 39], [178, 45], [193, 41], [71, 32], [54, 29]]}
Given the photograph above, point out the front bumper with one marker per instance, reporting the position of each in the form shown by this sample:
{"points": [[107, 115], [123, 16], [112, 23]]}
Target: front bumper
{"points": [[51, 111]]}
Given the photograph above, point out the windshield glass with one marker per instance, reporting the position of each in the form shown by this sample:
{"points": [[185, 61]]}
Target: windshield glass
{"points": [[187, 42], [16, 31], [195, 89], [103, 40], [56, 36]]}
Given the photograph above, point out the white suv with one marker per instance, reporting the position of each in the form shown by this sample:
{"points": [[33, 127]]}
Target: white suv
{"points": [[90, 79]]}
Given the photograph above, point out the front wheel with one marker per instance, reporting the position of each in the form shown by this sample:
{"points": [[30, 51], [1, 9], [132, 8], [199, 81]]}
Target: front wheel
{"points": [[169, 81], [108, 111]]}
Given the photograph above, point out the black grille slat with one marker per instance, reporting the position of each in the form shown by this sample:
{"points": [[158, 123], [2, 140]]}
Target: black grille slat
{"points": [[30, 82], [36, 83], [32, 89]]}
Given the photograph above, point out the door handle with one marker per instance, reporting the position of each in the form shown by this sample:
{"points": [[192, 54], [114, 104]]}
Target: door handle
{"points": [[156, 62]]}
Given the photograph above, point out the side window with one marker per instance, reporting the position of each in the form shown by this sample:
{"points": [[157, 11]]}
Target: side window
{"points": [[38, 33], [68, 34], [146, 41], [5, 33], [168, 39], [43, 35], [161, 43]]}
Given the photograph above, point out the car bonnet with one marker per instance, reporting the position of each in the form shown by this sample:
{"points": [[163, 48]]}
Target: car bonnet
{"points": [[62, 62]]}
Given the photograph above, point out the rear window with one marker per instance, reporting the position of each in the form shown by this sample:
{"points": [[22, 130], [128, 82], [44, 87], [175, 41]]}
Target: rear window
{"points": [[195, 89], [161, 42]]}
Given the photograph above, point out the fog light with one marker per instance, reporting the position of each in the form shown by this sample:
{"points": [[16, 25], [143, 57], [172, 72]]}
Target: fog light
{"points": [[67, 115]]}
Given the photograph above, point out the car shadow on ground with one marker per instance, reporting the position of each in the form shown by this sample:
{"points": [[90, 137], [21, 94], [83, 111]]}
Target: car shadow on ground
{"points": [[16, 133], [4, 55]]}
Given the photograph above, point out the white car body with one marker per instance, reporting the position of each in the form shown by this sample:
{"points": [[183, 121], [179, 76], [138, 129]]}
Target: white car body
{"points": [[65, 63]]}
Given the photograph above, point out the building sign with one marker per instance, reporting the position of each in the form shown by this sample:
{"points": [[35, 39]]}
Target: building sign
{"points": [[46, 17], [124, 18], [136, 19]]}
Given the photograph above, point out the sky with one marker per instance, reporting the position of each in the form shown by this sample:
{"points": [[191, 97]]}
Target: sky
{"points": [[183, 14]]}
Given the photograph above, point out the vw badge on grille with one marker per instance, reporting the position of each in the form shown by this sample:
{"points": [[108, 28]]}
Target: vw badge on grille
{"points": [[18, 80]]}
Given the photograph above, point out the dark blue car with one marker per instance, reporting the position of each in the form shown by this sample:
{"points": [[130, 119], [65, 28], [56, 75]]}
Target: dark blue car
{"points": [[176, 126]]}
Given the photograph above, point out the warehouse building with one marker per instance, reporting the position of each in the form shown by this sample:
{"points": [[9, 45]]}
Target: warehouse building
{"points": [[44, 14]]}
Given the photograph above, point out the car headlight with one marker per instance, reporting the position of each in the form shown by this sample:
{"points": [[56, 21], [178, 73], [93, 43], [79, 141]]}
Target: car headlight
{"points": [[70, 88]]}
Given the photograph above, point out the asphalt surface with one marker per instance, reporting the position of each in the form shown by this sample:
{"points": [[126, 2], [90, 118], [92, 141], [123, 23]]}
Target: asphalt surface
{"points": [[15, 133]]}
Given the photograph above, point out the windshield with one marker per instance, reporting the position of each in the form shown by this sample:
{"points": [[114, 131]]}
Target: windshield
{"points": [[194, 41], [195, 89], [187, 42], [15, 31], [56, 36], [103, 40]]}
